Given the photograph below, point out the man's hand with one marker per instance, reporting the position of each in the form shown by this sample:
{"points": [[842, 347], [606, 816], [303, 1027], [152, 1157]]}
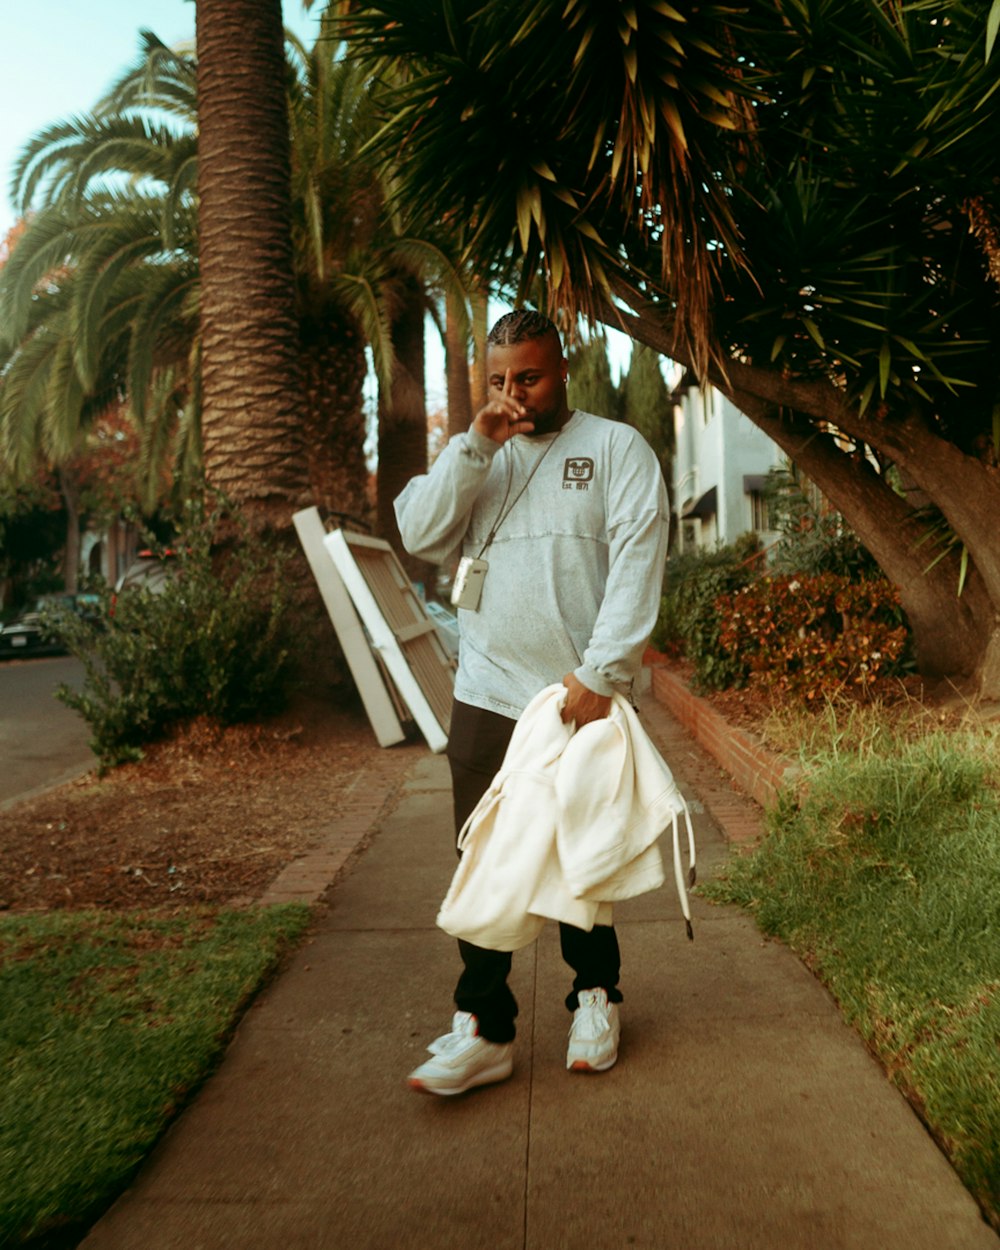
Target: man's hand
{"points": [[582, 705], [504, 415]]}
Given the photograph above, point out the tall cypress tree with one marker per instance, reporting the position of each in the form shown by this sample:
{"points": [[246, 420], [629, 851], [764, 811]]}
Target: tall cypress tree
{"points": [[590, 385], [646, 403]]}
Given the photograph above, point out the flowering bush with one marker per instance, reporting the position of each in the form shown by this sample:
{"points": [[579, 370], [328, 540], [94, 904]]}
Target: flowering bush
{"points": [[813, 636], [688, 623]]}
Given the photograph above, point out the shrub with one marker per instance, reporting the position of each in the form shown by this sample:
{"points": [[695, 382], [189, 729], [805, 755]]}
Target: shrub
{"points": [[688, 618], [813, 636], [813, 539], [211, 642]]}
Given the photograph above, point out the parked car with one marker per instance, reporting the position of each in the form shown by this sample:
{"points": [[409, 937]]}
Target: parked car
{"points": [[148, 571], [31, 632]]}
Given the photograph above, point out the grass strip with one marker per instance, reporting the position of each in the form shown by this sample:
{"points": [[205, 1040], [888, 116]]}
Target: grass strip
{"points": [[883, 875], [108, 1022]]}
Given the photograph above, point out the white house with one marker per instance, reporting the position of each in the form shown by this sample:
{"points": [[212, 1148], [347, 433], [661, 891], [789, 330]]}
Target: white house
{"points": [[720, 464]]}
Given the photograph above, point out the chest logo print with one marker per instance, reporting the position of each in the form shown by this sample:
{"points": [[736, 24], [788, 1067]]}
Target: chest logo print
{"points": [[578, 473]]}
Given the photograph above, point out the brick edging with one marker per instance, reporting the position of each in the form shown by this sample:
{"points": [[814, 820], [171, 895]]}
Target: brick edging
{"points": [[754, 769], [307, 878]]}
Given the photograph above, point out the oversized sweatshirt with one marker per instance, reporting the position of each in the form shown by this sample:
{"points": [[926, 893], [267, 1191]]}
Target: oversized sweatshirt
{"points": [[575, 565]]}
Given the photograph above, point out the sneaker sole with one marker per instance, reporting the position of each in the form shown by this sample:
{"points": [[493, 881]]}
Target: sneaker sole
{"points": [[489, 1076], [584, 1065]]}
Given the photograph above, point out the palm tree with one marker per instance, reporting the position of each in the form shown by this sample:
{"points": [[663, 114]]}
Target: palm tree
{"points": [[128, 267], [362, 280], [251, 381], [99, 297], [828, 262], [539, 178]]}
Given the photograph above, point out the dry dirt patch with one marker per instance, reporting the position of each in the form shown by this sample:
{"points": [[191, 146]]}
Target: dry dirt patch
{"points": [[209, 815]]}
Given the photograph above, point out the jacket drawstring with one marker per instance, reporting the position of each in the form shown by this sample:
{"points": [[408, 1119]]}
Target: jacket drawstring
{"points": [[692, 873]]}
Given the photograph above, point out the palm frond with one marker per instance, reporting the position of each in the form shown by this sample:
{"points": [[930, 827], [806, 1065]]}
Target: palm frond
{"points": [[61, 427], [23, 399], [160, 79], [45, 248], [361, 298], [108, 248], [165, 298]]}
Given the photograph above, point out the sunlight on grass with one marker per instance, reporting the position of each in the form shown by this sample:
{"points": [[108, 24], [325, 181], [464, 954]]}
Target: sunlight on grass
{"points": [[844, 727], [107, 1024], [883, 873]]}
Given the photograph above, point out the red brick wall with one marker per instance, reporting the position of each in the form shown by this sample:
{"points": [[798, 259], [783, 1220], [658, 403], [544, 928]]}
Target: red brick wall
{"points": [[753, 768]]}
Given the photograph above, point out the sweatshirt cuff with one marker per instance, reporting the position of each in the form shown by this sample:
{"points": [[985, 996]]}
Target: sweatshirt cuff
{"points": [[480, 445], [594, 682]]}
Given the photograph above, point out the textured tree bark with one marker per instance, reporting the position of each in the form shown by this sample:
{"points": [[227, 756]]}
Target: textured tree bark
{"points": [[253, 400], [457, 380], [956, 636], [251, 381], [333, 422], [885, 523], [70, 491], [480, 328], [402, 428]]}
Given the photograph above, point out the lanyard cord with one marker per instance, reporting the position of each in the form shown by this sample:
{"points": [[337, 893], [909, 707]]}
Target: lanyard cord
{"points": [[501, 515]]}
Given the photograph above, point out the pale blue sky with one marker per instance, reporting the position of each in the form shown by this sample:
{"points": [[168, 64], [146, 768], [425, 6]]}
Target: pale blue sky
{"points": [[60, 56]]}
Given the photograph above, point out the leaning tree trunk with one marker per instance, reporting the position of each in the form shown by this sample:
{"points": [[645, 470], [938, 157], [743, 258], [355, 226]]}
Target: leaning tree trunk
{"points": [[890, 529], [251, 384], [959, 634], [402, 425], [957, 637], [333, 421]]}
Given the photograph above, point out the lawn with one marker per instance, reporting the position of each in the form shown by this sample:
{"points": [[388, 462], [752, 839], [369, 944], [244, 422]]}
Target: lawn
{"points": [[883, 874], [108, 1023]]}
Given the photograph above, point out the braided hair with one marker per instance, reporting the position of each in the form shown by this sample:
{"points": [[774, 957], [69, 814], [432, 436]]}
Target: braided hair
{"points": [[516, 327]]}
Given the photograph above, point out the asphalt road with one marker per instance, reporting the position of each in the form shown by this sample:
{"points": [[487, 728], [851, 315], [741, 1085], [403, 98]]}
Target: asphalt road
{"points": [[42, 742]]}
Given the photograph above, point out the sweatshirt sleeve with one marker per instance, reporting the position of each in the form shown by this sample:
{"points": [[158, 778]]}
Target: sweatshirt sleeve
{"points": [[637, 552], [434, 509]]}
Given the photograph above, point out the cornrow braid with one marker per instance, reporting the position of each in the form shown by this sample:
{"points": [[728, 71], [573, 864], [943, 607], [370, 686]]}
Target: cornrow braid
{"points": [[516, 327]]}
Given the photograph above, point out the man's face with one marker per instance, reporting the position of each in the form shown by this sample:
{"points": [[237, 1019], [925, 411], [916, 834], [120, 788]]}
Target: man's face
{"points": [[538, 379]]}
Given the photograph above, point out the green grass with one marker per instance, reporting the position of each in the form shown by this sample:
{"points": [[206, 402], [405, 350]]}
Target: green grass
{"points": [[108, 1022], [883, 874], [842, 726]]}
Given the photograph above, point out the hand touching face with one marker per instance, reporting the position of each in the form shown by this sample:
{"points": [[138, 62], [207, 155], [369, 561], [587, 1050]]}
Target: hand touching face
{"points": [[527, 389]]}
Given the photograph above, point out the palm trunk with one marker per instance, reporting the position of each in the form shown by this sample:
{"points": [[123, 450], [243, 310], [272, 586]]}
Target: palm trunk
{"points": [[460, 410], [333, 422], [251, 387], [70, 491], [402, 434], [480, 328]]}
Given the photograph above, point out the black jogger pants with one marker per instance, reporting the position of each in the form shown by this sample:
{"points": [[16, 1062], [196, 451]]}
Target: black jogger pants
{"points": [[476, 747]]}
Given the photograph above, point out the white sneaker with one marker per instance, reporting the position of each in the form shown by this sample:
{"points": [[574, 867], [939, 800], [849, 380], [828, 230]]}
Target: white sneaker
{"points": [[462, 1060], [593, 1036]]}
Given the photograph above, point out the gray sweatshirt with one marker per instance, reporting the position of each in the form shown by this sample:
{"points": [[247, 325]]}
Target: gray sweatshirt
{"points": [[576, 564]]}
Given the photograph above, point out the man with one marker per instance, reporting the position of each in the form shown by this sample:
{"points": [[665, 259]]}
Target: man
{"points": [[561, 520]]}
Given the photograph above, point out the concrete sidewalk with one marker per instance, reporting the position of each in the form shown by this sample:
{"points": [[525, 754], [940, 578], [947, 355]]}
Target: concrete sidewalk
{"points": [[743, 1113]]}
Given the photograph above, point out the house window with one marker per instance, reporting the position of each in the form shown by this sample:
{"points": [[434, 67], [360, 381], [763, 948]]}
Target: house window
{"points": [[690, 535], [760, 512]]}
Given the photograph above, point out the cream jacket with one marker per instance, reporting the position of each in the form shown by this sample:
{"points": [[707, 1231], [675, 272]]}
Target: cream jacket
{"points": [[569, 825]]}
